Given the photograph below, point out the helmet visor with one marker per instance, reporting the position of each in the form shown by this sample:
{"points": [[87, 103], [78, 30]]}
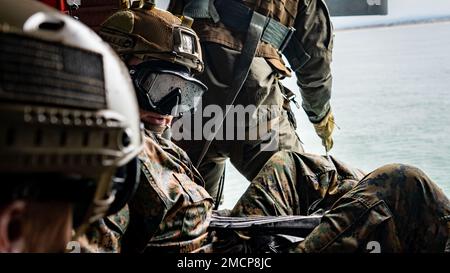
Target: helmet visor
{"points": [[168, 92]]}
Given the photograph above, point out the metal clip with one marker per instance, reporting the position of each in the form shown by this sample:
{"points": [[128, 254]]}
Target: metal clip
{"points": [[291, 97], [295, 102]]}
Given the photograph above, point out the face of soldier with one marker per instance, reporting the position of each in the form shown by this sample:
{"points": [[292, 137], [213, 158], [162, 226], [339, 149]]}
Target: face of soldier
{"points": [[35, 227], [154, 119]]}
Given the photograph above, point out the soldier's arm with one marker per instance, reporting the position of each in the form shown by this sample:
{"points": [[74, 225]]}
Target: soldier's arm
{"points": [[315, 33]]}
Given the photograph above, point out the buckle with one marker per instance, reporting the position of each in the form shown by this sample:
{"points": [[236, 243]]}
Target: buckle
{"points": [[277, 34], [290, 96], [286, 40], [293, 99]]}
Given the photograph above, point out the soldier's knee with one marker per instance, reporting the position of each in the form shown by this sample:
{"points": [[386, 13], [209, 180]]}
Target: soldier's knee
{"points": [[277, 160], [399, 171], [400, 178], [280, 163], [398, 183]]}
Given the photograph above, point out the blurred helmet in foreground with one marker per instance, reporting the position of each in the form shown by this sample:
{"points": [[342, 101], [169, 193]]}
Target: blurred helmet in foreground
{"points": [[69, 118]]}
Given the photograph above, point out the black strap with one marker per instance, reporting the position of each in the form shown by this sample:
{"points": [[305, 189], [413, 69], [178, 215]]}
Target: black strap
{"points": [[197, 9], [237, 16], [254, 33], [220, 190], [213, 11]]}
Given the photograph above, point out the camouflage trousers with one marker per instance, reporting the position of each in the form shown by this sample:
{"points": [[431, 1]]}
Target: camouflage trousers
{"points": [[263, 91], [395, 208]]}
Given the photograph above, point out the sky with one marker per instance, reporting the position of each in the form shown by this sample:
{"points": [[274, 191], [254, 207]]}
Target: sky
{"points": [[399, 10]]}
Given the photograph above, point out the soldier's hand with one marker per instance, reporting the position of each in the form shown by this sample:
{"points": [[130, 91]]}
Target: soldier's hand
{"points": [[324, 130]]}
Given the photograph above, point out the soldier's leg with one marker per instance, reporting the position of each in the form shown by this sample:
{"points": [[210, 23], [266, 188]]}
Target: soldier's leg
{"points": [[274, 191], [296, 184], [395, 208], [270, 130], [212, 169]]}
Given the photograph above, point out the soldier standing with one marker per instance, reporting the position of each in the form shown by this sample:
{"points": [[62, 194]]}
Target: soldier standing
{"points": [[243, 43]]}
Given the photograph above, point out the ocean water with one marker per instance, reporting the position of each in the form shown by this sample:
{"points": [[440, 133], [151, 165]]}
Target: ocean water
{"points": [[391, 99]]}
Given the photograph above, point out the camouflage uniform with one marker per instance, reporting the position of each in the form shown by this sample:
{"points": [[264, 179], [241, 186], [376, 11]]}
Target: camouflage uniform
{"points": [[396, 205], [170, 209], [221, 48], [104, 235], [171, 204]]}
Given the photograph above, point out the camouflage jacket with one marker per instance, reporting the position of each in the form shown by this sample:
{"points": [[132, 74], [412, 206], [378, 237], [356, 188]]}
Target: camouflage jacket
{"points": [[170, 205]]}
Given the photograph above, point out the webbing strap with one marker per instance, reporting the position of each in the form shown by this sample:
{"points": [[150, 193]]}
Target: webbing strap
{"points": [[241, 71]]}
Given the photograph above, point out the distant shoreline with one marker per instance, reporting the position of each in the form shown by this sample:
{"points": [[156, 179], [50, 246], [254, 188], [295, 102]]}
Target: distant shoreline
{"points": [[399, 23]]}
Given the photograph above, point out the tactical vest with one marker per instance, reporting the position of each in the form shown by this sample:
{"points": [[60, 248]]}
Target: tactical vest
{"points": [[283, 11]]}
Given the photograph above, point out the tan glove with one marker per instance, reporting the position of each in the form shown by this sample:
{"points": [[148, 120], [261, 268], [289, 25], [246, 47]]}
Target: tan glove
{"points": [[324, 130]]}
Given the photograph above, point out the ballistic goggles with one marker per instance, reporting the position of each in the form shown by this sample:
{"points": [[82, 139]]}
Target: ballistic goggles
{"points": [[166, 88]]}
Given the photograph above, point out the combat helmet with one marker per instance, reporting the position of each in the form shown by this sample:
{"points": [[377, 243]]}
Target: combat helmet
{"points": [[148, 32], [67, 111], [169, 51]]}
